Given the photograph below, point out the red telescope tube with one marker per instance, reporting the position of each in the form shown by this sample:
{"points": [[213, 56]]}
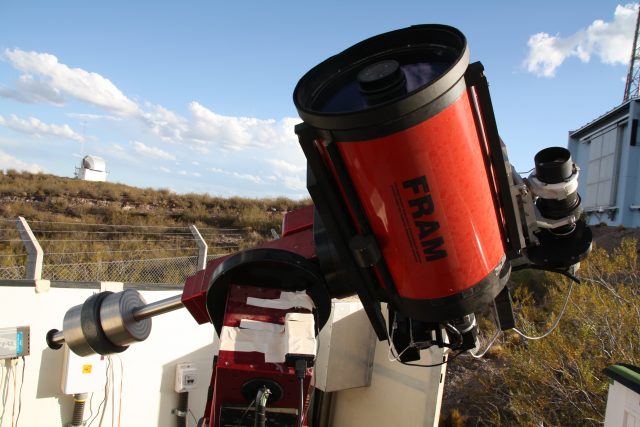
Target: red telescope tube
{"points": [[394, 136]]}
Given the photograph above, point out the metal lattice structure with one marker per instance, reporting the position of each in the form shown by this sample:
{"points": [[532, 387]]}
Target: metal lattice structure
{"points": [[13, 273], [632, 87]]}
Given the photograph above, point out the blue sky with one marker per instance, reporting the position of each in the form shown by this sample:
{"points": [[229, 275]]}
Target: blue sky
{"points": [[196, 96]]}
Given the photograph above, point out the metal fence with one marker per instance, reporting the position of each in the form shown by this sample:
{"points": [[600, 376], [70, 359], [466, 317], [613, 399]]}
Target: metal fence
{"points": [[13, 273], [72, 255], [159, 270]]}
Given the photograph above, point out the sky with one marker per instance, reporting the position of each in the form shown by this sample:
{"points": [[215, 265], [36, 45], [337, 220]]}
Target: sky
{"points": [[196, 97]]}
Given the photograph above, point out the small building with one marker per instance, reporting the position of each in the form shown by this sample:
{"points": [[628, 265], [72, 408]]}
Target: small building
{"points": [[92, 168], [608, 154]]}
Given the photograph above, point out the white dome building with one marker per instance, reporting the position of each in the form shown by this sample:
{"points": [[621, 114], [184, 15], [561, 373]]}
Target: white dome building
{"points": [[92, 168]]}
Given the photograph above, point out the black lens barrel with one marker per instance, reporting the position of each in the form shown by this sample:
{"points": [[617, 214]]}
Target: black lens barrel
{"points": [[553, 166]]}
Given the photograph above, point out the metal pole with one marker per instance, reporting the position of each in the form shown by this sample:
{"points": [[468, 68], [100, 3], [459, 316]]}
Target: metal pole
{"points": [[35, 255], [139, 313], [159, 307], [202, 247]]}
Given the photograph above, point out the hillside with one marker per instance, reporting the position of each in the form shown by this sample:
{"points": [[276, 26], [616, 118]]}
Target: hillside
{"points": [[51, 198], [98, 230]]}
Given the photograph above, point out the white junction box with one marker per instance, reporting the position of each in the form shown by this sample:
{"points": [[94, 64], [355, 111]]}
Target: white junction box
{"points": [[83, 374], [14, 342], [186, 377]]}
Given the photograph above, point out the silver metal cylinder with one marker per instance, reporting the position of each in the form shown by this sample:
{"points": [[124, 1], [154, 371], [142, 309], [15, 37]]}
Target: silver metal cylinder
{"points": [[118, 323], [72, 332], [124, 318], [159, 307]]}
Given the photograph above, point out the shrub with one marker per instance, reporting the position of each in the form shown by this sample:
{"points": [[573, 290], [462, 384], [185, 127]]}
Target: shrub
{"points": [[558, 380]]}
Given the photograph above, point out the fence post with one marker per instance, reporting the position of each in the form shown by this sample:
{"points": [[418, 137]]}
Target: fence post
{"points": [[35, 255], [202, 247]]}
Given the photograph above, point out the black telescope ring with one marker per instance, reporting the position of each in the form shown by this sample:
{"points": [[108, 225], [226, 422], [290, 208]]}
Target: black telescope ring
{"points": [[92, 327], [268, 268]]}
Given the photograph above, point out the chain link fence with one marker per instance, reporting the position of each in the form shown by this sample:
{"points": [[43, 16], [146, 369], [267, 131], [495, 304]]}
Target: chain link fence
{"points": [[160, 270], [13, 273]]}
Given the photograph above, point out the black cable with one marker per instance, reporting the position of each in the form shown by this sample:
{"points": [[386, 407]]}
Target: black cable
{"points": [[24, 365], [449, 359], [246, 411], [301, 371], [549, 269], [260, 416], [301, 404]]}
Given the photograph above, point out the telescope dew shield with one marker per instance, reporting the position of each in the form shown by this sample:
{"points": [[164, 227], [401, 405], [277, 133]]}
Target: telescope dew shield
{"points": [[394, 129]]}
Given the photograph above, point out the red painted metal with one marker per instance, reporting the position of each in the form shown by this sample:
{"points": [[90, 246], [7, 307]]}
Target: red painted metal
{"points": [[233, 369], [387, 173], [299, 240], [297, 221]]}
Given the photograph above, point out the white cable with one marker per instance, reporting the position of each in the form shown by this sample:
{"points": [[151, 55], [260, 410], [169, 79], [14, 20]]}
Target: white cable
{"points": [[566, 301], [479, 356]]}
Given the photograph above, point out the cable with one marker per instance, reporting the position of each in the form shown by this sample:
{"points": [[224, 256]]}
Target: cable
{"points": [[14, 396], [5, 393], [550, 270], [133, 251], [479, 356], [566, 301], [246, 411], [193, 416], [24, 365], [574, 280], [301, 371], [177, 227], [90, 409], [113, 391], [145, 233], [525, 173], [120, 393], [106, 394]]}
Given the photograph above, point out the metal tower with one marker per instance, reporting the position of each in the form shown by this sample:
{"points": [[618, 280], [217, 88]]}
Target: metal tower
{"points": [[632, 88]]}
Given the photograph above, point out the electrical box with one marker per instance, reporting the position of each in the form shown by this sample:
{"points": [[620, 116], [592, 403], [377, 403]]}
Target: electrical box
{"points": [[14, 342], [186, 377], [82, 374]]}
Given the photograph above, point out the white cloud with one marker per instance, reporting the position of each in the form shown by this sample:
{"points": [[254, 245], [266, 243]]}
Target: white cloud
{"points": [[234, 133], [9, 162], [46, 79], [86, 116], [286, 167], [152, 152], [248, 177], [34, 127], [243, 176], [165, 124], [611, 42]]}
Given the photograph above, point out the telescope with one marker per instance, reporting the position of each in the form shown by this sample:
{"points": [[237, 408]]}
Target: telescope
{"points": [[415, 206]]}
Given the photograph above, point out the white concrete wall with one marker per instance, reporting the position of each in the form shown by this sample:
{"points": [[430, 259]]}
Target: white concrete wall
{"points": [[149, 367]]}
